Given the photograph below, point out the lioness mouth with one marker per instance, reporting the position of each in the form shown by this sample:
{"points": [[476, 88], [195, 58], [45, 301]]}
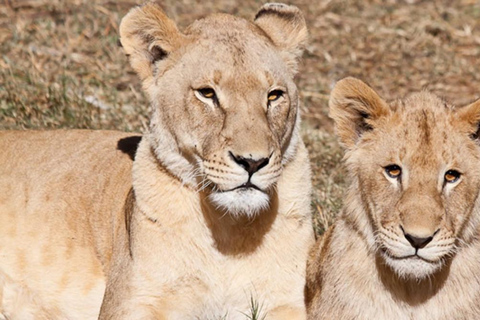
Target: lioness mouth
{"points": [[246, 186]]}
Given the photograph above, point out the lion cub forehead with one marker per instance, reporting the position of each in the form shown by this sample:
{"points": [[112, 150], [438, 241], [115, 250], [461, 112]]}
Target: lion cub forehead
{"points": [[424, 101], [422, 129], [423, 110]]}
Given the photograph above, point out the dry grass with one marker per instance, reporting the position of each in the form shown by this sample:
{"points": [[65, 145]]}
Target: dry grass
{"points": [[61, 66]]}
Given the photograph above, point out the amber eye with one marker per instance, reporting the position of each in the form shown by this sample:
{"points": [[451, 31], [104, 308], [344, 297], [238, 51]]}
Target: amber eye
{"points": [[452, 176], [393, 171], [275, 95], [208, 93]]}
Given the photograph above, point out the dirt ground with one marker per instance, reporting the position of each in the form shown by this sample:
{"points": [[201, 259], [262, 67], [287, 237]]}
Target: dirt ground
{"points": [[60, 65]]}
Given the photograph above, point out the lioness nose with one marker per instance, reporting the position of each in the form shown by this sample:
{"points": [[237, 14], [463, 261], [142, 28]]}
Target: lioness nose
{"points": [[418, 243], [250, 165]]}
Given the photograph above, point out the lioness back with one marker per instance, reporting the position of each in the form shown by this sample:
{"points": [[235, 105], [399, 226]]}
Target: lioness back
{"points": [[59, 193]]}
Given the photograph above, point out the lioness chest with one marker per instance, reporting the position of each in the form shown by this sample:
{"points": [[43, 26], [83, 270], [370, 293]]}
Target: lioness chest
{"points": [[206, 281]]}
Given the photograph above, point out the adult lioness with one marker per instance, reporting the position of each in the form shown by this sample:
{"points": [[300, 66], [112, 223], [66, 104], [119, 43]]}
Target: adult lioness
{"points": [[218, 215], [407, 244]]}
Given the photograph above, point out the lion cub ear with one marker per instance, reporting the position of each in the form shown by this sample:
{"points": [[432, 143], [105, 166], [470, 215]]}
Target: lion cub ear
{"points": [[355, 107], [469, 117], [286, 27], [148, 35]]}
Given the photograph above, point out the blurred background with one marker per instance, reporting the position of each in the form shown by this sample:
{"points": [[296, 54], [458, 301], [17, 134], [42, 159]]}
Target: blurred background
{"points": [[60, 66]]}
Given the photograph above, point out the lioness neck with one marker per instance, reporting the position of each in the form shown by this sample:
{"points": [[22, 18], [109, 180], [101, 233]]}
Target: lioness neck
{"points": [[162, 199]]}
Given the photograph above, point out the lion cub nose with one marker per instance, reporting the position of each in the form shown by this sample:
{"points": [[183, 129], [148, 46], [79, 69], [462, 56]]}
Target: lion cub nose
{"points": [[250, 165], [416, 242]]}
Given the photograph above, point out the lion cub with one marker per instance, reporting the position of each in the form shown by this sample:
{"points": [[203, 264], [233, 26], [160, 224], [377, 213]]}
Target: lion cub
{"points": [[407, 243], [212, 218]]}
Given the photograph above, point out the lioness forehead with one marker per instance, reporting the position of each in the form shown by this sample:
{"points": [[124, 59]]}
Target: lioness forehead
{"points": [[235, 41], [220, 26]]}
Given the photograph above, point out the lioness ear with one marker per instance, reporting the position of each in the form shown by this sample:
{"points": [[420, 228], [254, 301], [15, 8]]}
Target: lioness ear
{"points": [[469, 117], [354, 107], [286, 27], [148, 35]]}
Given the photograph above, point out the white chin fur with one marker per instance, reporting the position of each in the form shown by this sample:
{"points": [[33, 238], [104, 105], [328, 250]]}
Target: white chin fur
{"points": [[412, 268], [246, 202]]}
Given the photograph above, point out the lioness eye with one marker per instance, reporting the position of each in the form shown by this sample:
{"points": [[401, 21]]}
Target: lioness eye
{"points": [[208, 93], [452, 176], [275, 95], [393, 171]]}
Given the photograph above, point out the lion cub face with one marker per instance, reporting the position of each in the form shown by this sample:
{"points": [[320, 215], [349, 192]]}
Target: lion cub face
{"points": [[417, 163], [224, 101]]}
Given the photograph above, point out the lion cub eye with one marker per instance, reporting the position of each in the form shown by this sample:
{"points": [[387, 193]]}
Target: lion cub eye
{"points": [[275, 95], [208, 93], [452, 176], [393, 171]]}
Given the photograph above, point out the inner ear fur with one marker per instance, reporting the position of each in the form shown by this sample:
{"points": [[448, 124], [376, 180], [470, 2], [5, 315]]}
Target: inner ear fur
{"points": [[286, 27], [469, 118], [355, 107], [148, 35]]}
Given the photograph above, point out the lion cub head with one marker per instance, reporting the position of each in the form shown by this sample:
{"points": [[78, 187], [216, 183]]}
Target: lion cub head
{"points": [[415, 169], [225, 107]]}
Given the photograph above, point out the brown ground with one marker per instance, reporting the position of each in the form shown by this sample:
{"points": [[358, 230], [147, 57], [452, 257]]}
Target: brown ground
{"points": [[61, 67]]}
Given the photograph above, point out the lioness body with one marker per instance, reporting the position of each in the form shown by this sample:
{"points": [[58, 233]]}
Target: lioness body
{"points": [[406, 245], [211, 220], [224, 269], [62, 195]]}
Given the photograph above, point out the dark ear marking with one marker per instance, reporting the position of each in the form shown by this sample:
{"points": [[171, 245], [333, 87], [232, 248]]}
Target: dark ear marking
{"points": [[364, 125], [158, 53], [273, 9], [475, 136]]}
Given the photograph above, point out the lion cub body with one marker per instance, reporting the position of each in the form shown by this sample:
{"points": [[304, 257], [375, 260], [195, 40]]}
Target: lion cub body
{"points": [[212, 217], [406, 245]]}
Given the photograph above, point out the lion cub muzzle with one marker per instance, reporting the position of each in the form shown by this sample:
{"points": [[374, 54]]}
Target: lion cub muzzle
{"points": [[420, 218], [415, 238]]}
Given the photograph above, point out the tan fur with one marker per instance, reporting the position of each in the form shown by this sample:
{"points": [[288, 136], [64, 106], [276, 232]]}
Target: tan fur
{"points": [[365, 267], [81, 237]]}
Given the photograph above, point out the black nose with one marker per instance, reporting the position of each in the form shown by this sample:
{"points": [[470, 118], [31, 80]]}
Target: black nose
{"points": [[418, 243], [250, 165]]}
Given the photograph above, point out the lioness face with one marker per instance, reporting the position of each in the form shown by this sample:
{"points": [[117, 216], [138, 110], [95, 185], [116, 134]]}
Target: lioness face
{"points": [[416, 162], [234, 113], [224, 101]]}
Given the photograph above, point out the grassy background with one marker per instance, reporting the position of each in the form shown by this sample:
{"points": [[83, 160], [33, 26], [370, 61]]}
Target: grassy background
{"points": [[60, 66]]}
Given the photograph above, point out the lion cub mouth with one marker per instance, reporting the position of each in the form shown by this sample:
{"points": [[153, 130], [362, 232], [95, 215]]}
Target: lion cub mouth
{"points": [[412, 265]]}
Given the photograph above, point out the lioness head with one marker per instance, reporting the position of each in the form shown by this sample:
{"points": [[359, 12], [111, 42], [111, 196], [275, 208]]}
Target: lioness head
{"points": [[415, 169], [224, 101]]}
